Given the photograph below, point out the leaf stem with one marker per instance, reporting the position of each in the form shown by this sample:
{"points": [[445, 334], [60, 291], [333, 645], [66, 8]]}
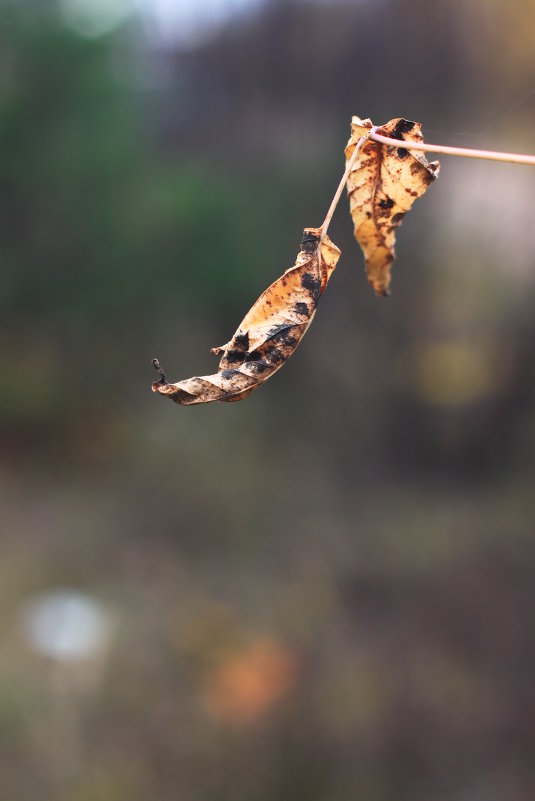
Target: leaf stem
{"points": [[468, 153], [350, 164]]}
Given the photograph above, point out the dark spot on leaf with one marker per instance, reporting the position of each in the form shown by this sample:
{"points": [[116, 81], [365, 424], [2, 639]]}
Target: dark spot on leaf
{"points": [[312, 284], [254, 356], [386, 203], [403, 127], [273, 356], [283, 334], [309, 281], [259, 367], [241, 341], [228, 374], [301, 308], [235, 356], [310, 242], [402, 153], [287, 339]]}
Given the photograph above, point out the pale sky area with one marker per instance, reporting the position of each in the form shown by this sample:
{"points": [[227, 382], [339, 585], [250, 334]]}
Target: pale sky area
{"points": [[184, 21]]}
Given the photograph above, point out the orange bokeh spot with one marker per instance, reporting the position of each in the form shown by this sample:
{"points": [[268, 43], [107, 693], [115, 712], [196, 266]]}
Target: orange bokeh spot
{"points": [[249, 682]]}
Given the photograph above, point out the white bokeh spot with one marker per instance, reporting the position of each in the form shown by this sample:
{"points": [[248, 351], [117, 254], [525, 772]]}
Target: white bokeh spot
{"points": [[65, 625]]}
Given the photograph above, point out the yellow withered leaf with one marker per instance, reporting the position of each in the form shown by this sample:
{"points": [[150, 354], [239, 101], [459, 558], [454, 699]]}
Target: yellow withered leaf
{"points": [[269, 333], [382, 186]]}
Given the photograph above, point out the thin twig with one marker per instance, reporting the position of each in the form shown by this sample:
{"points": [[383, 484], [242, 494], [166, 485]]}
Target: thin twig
{"points": [[350, 164], [464, 152]]}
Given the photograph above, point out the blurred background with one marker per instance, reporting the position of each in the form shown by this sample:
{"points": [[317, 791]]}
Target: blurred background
{"points": [[324, 592]]}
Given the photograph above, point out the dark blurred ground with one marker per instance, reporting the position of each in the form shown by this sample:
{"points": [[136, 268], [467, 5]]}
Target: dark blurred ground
{"points": [[324, 592]]}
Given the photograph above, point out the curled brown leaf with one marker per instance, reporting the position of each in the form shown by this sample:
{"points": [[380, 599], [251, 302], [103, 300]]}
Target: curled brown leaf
{"points": [[269, 333], [382, 186]]}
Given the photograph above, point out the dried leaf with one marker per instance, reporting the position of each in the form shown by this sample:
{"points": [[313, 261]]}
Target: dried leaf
{"points": [[382, 187], [269, 332]]}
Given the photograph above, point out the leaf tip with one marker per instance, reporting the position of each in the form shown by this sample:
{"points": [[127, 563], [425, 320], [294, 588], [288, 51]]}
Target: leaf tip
{"points": [[360, 127], [162, 380]]}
